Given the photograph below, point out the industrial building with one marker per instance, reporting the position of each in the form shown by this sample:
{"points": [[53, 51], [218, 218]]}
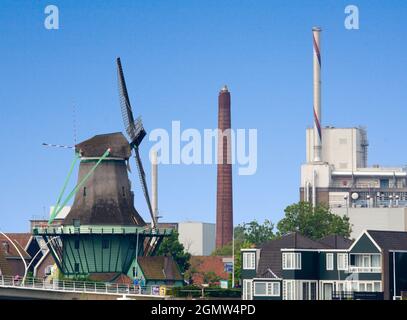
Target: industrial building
{"points": [[198, 238], [336, 172]]}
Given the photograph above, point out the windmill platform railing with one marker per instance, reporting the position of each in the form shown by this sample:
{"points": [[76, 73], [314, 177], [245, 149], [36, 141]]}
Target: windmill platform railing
{"points": [[42, 229], [80, 287]]}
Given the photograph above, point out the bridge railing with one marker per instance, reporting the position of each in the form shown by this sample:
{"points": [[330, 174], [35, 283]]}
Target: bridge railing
{"points": [[78, 286]]}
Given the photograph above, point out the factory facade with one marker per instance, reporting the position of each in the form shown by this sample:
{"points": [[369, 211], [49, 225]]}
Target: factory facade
{"points": [[336, 172], [293, 267]]}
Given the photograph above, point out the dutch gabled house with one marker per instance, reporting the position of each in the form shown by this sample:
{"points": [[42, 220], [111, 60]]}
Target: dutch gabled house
{"points": [[294, 267]]}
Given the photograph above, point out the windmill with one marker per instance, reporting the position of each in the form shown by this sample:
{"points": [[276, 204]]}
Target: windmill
{"points": [[135, 132]]}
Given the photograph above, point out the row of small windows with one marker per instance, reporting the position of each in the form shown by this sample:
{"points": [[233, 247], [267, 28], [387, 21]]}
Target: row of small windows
{"points": [[267, 289], [292, 261], [342, 261]]}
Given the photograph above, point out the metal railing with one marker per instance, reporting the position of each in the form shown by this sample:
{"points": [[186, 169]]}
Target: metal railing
{"points": [[79, 286], [59, 229], [354, 269]]}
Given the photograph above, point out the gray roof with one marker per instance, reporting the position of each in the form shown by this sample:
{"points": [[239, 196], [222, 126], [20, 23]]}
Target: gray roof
{"points": [[270, 254], [389, 240], [336, 242]]}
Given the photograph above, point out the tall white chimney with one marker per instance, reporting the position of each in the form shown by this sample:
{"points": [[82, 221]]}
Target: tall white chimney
{"points": [[316, 32], [154, 184]]}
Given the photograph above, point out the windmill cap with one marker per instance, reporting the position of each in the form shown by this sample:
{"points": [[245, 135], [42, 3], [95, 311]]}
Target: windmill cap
{"points": [[116, 143]]}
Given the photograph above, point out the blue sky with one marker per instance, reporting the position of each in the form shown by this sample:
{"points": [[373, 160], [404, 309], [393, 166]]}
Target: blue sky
{"points": [[176, 56]]}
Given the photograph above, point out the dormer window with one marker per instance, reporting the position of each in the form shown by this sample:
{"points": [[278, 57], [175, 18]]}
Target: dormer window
{"points": [[249, 260], [6, 247]]}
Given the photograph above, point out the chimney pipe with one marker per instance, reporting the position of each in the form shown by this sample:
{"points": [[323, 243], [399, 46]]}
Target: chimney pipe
{"points": [[316, 32], [154, 184]]}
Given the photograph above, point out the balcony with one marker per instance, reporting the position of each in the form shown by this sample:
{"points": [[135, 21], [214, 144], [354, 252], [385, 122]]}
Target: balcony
{"points": [[355, 269]]}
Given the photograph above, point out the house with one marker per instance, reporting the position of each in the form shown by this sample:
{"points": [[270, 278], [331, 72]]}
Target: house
{"points": [[381, 256], [13, 252], [205, 269], [285, 268], [157, 271], [294, 267]]}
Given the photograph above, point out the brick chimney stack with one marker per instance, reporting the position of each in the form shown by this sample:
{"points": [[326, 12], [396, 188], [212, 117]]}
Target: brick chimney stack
{"points": [[224, 199]]}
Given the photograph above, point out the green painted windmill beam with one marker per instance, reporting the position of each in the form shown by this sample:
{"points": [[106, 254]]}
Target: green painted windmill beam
{"points": [[58, 207]]}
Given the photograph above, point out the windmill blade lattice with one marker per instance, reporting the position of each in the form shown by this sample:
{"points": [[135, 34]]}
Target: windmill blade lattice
{"points": [[135, 131]]}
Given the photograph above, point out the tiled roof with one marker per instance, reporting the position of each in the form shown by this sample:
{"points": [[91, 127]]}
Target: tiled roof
{"points": [[270, 254], [5, 268], [203, 264], [159, 268], [112, 277], [12, 252], [389, 240], [336, 242], [21, 238]]}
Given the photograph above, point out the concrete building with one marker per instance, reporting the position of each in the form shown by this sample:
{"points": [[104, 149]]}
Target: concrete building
{"points": [[337, 174], [198, 238]]}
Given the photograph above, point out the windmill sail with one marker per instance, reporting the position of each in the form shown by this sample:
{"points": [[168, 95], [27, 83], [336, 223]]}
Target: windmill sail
{"points": [[135, 131]]}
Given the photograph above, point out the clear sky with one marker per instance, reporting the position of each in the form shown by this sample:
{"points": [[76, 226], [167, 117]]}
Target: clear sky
{"points": [[176, 56]]}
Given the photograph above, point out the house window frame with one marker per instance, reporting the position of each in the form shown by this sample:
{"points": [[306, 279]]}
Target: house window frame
{"points": [[366, 268], [342, 258], [272, 289], [249, 260], [329, 261], [291, 261]]}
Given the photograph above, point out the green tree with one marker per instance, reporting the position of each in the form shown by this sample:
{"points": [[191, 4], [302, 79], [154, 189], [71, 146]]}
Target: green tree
{"points": [[256, 233], [172, 247], [313, 222]]}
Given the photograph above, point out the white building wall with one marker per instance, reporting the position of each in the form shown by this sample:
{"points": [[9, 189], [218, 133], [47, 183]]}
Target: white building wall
{"points": [[198, 238], [390, 219], [341, 147]]}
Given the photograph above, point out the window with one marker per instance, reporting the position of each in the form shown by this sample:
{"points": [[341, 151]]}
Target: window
{"points": [[76, 223], [84, 191], [342, 261], [270, 289], [309, 290], [6, 247], [105, 244], [260, 288], [249, 260], [291, 261], [76, 267], [76, 243], [365, 263], [329, 261], [48, 270], [289, 290], [247, 290]]}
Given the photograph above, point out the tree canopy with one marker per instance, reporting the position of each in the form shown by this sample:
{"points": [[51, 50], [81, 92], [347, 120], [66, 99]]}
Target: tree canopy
{"points": [[313, 222], [172, 247]]}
